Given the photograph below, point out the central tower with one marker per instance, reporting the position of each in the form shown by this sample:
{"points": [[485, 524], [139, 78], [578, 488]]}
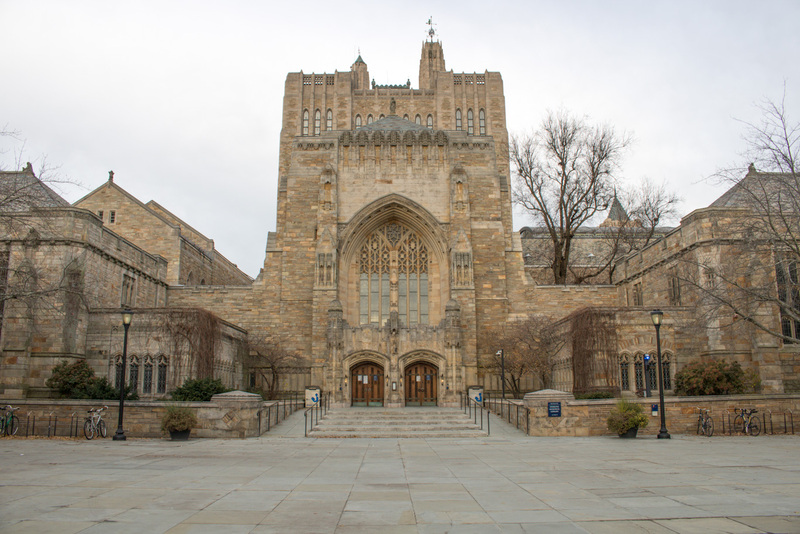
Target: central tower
{"points": [[394, 246]]}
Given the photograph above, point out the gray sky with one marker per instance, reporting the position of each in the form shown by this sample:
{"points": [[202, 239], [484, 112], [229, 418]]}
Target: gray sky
{"points": [[183, 99]]}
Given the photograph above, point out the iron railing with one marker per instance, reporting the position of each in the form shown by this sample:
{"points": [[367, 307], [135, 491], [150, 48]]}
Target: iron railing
{"points": [[318, 409], [472, 408]]}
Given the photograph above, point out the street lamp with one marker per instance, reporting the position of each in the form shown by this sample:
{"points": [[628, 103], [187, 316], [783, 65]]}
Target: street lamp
{"points": [[127, 315], [502, 355], [658, 316]]}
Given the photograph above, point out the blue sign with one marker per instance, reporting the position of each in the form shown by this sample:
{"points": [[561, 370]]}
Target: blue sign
{"points": [[553, 409]]}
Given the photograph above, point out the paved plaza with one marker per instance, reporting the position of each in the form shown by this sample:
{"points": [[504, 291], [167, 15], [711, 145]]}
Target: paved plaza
{"points": [[508, 482]]}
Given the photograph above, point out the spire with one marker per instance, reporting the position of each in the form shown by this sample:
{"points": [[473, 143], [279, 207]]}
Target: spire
{"points": [[361, 73], [617, 216]]}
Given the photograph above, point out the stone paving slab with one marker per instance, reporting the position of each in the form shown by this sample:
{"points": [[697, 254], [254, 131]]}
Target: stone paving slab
{"points": [[507, 482]]}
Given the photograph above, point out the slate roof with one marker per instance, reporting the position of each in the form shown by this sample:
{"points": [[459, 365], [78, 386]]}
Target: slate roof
{"points": [[23, 191], [761, 189]]}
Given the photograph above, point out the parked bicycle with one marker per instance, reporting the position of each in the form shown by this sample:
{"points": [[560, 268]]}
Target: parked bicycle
{"points": [[94, 425], [9, 421], [705, 425], [746, 422]]}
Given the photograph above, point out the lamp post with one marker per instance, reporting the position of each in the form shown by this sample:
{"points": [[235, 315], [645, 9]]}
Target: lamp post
{"points": [[658, 316], [127, 315], [502, 355]]}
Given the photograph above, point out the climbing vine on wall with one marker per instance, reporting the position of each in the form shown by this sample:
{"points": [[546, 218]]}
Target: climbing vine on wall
{"points": [[594, 346], [194, 335]]}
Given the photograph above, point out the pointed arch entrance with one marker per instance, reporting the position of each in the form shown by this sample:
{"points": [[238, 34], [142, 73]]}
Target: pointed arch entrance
{"points": [[366, 384], [421, 384]]}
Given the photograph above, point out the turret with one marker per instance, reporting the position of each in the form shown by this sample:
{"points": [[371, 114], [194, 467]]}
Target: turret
{"points": [[432, 61], [361, 78]]}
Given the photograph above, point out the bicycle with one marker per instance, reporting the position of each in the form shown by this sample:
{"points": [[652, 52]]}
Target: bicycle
{"points": [[746, 422], [94, 424], [705, 425], [9, 421]]}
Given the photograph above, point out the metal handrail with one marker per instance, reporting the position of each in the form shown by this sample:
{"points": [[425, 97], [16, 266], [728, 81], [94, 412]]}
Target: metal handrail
{"points": [[321, 409], [472, 407]]}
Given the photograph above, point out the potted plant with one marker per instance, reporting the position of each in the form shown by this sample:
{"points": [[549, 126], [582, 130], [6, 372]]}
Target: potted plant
{"points": [[178, 421], [626, 419]]}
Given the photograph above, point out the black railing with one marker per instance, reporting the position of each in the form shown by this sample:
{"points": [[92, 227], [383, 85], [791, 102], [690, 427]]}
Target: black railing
{"points": [[513, 413], [472, 408], [316, 411], [277, 412]]}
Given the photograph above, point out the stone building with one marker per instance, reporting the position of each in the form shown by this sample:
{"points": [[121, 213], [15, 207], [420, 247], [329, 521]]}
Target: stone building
{"points": [[65, 276], [393, 261]]}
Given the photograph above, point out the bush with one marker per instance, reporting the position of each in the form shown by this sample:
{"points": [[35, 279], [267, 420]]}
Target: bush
{"points": [[77, 381], [626, 415], [595, 395], [715, 377], [178, 419], [199, 390]]}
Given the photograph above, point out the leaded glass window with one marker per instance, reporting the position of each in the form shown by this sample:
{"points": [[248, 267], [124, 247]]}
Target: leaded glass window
{"points": [[133, 374], [393, 274], [147, 382], [161, 386]]}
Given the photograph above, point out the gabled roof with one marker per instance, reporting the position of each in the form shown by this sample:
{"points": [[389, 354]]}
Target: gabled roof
{"points": [[394, 123], [761, 189], [110, 183], [23, 191]]}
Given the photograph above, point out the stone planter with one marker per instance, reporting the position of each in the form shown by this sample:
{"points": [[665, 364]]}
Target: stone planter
{"points": [[630, 433], [179, 435]]}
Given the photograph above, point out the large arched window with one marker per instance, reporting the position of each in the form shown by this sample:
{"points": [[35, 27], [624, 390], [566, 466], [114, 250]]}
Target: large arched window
{"points": [[329, 121], [482, 121], [358, 121], [305, 122], [317, 120], [393, 253], [470, 122], [458, 119]]}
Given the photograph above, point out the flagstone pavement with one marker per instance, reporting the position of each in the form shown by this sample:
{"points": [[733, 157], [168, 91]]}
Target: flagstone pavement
{"points": [[508, 482]]}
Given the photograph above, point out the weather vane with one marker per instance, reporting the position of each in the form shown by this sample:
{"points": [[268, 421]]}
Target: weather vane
{"points": [[431, 32]]}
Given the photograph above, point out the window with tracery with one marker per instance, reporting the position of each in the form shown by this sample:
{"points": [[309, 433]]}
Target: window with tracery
{"points": [[161, 385], [458, 119], [393, 275], [147, 383], [317, 118], [329, 121], [482, 122], [305, 122], [470, 122]]}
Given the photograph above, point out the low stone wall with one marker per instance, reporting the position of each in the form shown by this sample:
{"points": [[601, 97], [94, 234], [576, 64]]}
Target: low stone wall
{"points": [[588, 417], [224, 417]]}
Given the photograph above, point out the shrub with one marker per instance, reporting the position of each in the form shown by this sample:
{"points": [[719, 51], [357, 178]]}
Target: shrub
{"points": [[178, 419], [626, 415], [77, 381], [201, 390], [715, 377], [595, 395]]}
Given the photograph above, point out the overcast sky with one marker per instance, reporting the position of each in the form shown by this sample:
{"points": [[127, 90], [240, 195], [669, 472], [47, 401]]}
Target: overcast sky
{"points": [[183, 99]]}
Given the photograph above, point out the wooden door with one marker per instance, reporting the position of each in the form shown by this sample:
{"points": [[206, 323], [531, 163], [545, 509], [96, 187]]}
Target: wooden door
{"points": [[366, 387], [421, 384]]}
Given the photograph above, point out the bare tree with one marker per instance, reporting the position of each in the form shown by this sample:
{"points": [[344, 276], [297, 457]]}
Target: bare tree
{"points": [[564, 176], [271, 362], [529, 346], [761, 288]]}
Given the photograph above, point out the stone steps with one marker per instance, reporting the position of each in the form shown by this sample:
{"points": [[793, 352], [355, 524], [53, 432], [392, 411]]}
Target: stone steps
{"points": [[428, 422]]}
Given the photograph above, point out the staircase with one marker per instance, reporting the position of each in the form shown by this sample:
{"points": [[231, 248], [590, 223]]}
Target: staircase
{"points": [[428, 422]]}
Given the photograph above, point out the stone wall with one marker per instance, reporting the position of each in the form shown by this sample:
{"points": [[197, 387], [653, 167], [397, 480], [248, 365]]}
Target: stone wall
{"points": [[217, 419], [588, 417]]}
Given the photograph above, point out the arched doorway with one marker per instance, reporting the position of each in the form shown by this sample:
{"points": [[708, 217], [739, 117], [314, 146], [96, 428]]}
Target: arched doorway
{"points": [[421, 384], [366, 384]]}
